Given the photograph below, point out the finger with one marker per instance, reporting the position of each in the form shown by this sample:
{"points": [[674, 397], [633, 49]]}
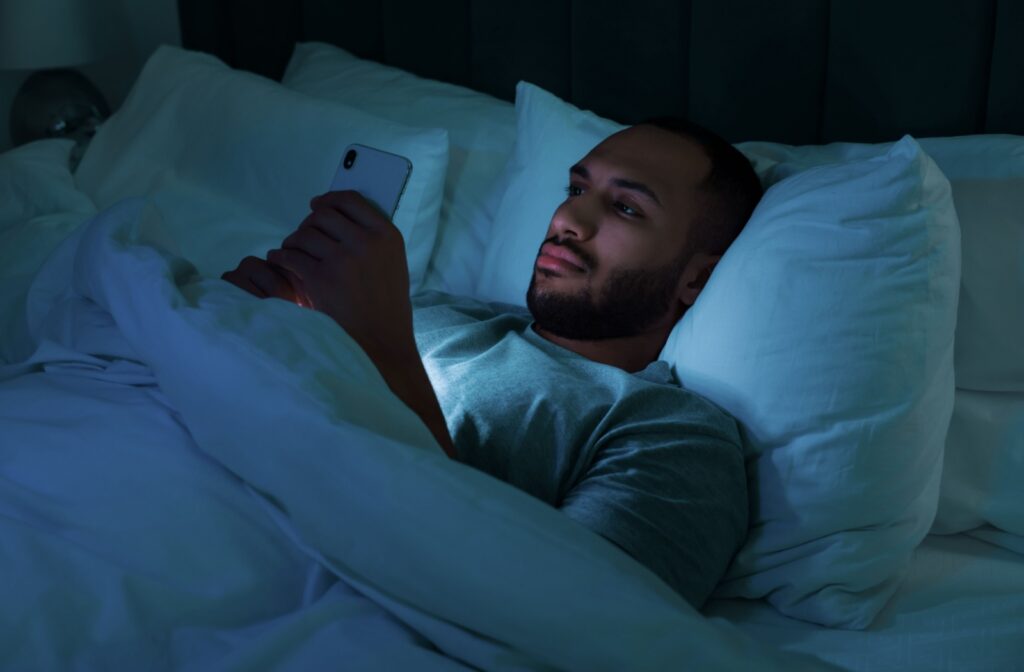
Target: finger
{"points": [[245, 265], [239, 277], [243, 283], [337, 227], [311, 240], [272, 282], [294, 261], [355, 206], [301, 297], [320, 220]]}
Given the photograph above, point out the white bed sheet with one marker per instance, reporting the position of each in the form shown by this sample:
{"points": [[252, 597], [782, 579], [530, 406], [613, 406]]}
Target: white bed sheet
{"points": [[961, 608]]}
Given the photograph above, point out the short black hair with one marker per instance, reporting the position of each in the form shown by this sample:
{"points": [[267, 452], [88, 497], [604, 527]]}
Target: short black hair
{"points": [[731, 189]]}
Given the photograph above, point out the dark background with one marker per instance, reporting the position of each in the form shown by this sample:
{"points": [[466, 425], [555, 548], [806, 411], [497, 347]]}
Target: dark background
{"points": [[795, 71]]}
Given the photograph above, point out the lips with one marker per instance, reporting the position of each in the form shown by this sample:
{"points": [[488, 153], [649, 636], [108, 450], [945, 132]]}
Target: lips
{"points": [[559, 257]]}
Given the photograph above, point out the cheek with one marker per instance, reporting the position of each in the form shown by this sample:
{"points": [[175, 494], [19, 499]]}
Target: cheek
{"points": [[620, 246], [645, 245]]}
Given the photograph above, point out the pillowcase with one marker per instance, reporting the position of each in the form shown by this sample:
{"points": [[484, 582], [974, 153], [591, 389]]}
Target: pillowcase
{"points": [[982, 467], [987, 174], [551, 135], [826, 330], [481, 130], [984, 464], [231, 160]]}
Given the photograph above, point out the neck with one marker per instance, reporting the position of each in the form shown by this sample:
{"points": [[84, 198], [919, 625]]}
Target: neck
{"points": [[630, 353]]}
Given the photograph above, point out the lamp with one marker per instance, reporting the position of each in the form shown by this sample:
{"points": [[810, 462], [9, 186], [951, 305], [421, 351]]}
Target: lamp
{"points": [[50, 36]]}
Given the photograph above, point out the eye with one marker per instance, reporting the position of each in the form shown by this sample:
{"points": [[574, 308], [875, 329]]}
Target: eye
{"points": [[573, 190], [626, 210]]}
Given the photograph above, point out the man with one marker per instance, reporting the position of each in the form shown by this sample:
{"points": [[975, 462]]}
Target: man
{"points": [[565, 401]]}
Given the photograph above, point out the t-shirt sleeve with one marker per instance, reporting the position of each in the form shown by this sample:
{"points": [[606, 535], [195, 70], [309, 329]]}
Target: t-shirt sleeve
{"points": [[671, 492]]}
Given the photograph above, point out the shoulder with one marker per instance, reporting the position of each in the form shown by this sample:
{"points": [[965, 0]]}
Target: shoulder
{"points": [[667, 438], [673, 411]]}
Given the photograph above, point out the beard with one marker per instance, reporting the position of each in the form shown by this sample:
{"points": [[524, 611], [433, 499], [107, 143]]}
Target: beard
{"points": [[630, 302]]}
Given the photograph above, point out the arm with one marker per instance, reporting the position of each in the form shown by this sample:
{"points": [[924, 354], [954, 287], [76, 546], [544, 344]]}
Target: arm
{"points": [[410, 383], [347, 260]]}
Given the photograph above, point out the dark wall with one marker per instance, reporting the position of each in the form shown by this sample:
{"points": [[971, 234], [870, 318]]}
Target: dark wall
{"points": [[797, 71]]}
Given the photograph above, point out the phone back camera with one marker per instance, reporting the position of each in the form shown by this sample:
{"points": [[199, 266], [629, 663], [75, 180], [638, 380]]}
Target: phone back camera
{"points": [[350, 158]]}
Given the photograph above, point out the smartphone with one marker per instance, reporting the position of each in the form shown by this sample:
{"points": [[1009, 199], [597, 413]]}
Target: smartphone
{"points": [[378, 175]]}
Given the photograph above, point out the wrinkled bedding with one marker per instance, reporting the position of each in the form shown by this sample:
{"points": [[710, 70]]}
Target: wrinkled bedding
{"points": [[960, 608], [194, 478]]}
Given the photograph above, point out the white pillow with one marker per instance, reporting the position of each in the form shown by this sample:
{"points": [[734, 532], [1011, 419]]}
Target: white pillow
{"points": [[984, 464], [987, 174], [232, 159], [551, 135], [827, 330], [481, 130], [982, 469]]}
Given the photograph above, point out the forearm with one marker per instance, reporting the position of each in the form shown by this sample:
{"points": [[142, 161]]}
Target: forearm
{"points": [[408, 379]]}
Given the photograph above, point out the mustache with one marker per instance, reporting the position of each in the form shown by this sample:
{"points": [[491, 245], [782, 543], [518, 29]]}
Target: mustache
{"points": [[588, 260]]}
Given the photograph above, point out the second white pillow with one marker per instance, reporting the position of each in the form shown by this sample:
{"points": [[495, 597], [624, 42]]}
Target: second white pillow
{"points": [[231, 160], [481, 130]]}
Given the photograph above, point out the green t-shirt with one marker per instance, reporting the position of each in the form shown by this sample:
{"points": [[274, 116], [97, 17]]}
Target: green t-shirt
{"points": [[645, 463]]}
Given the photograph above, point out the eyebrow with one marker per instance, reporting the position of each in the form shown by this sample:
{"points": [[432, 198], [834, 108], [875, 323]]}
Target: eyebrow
{"points": [[632, 185]]}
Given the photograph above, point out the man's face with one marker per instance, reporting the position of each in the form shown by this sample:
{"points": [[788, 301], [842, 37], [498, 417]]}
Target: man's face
{"points": [[613, 260]]}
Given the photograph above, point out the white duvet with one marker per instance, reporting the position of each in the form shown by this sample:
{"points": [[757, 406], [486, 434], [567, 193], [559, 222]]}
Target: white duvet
{"points": [[193, 478]]}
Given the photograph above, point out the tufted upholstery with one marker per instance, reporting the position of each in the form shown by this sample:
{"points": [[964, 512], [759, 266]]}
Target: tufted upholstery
{"points": [[796, 71]]}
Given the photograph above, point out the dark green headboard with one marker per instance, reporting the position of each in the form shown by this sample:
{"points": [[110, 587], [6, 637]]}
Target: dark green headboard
{"points": [[795, 71]]}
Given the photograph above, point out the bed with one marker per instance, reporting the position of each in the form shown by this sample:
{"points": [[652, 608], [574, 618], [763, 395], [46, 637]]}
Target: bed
{"points": [[194, 479]]}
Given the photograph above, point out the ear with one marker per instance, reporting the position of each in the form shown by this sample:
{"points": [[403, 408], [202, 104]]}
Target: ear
{"points": [[696, 275]]}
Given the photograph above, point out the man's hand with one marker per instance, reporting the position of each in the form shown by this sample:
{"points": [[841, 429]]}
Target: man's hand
{"points": [[262, 280], [348, 260]]}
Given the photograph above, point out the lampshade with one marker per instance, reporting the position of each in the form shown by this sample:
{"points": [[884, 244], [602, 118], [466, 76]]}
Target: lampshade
{"points": [[37, 34]]}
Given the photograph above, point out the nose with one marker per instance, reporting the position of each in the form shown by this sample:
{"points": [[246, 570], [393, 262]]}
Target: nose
{"points": [[576, 218]]}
